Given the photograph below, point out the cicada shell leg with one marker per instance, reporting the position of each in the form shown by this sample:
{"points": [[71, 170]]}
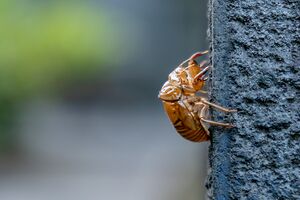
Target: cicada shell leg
{"points": [[204, 115], [203, 118], [217, 106], [203, 100], [218, 123]]}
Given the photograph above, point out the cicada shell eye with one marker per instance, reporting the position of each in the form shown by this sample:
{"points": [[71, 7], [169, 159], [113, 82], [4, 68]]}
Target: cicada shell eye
{"points": [[179, 70], [193, 62]]}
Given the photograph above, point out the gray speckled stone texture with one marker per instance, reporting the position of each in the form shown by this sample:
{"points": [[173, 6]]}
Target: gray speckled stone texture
{"points": [[255, 49]]}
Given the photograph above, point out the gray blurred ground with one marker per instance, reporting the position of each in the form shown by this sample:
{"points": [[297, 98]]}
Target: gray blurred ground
{"points": [[103, 153]]}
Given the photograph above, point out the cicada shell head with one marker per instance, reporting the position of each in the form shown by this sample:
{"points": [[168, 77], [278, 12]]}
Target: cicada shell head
{"points": [[196, 74]]}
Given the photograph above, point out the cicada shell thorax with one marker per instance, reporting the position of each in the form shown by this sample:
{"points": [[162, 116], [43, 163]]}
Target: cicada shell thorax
{"points": [[169, 92]]}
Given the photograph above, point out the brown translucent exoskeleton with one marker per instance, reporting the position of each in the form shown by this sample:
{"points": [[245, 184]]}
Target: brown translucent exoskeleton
{"points": [[188, 111]]}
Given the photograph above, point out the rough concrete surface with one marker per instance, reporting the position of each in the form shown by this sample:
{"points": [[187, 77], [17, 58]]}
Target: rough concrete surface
{"points": [[256, 62]]}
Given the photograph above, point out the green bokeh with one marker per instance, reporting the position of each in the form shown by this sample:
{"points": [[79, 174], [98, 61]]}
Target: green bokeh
{"points": [[43, 45], [40, 43]]}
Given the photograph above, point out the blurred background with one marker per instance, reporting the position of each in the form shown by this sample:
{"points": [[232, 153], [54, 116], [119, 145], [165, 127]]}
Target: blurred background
{"points": [[79, 114]]}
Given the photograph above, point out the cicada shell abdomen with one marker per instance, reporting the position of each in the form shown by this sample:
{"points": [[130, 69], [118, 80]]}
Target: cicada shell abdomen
{"points": [[185, 122]]}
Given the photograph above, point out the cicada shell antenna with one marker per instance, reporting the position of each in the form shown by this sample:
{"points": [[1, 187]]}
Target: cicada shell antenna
{"points": [[193, 57], [198, 54]]}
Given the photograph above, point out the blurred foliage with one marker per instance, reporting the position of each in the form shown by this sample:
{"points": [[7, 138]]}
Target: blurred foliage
{"points": [[42, 43]]}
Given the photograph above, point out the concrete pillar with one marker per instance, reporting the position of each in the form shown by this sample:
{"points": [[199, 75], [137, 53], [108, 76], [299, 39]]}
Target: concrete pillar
{"points": [[255, 49]]}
